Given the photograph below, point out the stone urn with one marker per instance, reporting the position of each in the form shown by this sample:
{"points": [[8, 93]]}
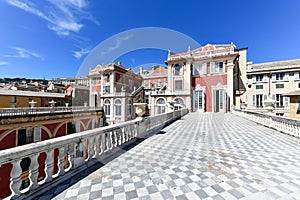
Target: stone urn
{"points": [[32, 103], [140, 109]]}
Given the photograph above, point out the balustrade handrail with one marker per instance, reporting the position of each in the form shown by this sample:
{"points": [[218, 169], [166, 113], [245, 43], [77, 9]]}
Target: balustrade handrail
{"points": [[92, 144], [39, 110]]}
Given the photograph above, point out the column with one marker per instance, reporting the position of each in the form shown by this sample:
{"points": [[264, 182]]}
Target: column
{"points": [[170, 78], [112, 82], [230, 91]]}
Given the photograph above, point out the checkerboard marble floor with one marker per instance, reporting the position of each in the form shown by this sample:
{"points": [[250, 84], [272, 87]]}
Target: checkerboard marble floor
{"points": [[201, 156]]}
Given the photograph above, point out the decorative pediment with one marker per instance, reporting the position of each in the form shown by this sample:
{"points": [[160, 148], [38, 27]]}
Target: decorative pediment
{"points": [[199, 87], [219, 86]]}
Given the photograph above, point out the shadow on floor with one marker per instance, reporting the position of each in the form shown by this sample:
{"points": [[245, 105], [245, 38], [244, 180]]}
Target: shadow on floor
{"points": [[55, 191]]}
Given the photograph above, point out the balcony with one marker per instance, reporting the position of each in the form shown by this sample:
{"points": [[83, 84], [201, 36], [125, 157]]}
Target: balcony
{"points": [[72, 154]]}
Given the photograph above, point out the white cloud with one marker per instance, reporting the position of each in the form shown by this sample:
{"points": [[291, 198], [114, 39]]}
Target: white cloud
{"points": [[22, 53], [63, 16], [3, 63], [80, 53]]}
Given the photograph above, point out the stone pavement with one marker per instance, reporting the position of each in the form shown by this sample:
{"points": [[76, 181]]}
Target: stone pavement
{"points": [[201, 156]]}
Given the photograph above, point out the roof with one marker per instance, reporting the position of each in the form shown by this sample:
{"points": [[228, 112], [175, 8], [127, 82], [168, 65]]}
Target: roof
{"points": [[292, 93], [276, 65]]}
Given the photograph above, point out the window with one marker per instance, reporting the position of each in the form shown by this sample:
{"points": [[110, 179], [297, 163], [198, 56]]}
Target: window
{"points": [[178, 84], [107, 107], [13, 101], [279, 76], [161, 106], [259, 87], [296, 76], [118, 106], [199, 69], [216, 67], [106, 89], [25, 136], [129, 108], [71, 128], [298, 85], [122, 79], [259, 78], [107, 77], [178, 103], [279, 86], [258, 100], [279, 100], [178, 70]]}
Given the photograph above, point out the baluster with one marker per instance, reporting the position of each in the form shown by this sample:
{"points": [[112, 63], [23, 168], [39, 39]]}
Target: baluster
{"points": [[34, 172], [103, 143], [15, 178], [61, 161], [113, 139], [91, 151], [119, 133], [107, 141], [123, 135], [85, 150], [98, 146], [70, 157], [78, 154], [49, 166], [110, 144]]}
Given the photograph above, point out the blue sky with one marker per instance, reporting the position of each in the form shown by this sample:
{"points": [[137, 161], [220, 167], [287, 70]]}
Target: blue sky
{"points": [[51, 38]]}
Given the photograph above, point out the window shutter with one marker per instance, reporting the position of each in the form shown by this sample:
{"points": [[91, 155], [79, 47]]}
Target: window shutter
{"points": [[253, 78], [286, 77], [212, 67], [274, 97], [273, 77], [296, 75], [37, 134], [204, 68], [265, 78], [77, 126], [265, 97], [253, 100], [286, 101]]}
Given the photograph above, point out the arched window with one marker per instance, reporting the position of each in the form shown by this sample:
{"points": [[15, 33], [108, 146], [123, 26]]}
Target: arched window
{"points": [[118, 106], [179, 103], [161, 106], [107, 107]]}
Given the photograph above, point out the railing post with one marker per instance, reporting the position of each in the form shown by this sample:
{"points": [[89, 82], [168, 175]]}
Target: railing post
{"points": [[61, 161], [91, 150], [49, 166], [34, 171], [98, 146], [15, 180]]}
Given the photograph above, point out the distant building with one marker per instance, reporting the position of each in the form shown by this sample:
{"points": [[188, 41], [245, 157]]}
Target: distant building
{"points": [[155, 84], [272, 79], [204, 79], [114, 88]]}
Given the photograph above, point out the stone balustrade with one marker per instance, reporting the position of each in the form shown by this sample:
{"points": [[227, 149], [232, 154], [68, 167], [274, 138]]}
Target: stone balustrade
{"points": [[286, 125], [75, 152]]}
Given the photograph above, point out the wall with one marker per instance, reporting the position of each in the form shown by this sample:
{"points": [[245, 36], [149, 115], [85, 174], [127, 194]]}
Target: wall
{"points": [[294, 107], [208, 82]]}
